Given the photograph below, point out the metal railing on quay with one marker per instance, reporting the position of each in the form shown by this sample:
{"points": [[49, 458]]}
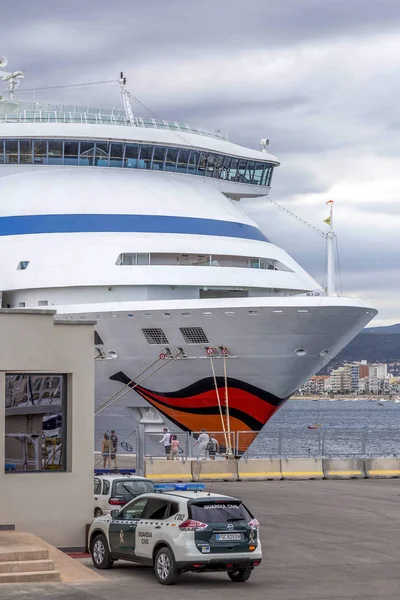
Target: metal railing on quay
{"points": [[318, 442], [271, 443], [191, 445], [118, 450]]}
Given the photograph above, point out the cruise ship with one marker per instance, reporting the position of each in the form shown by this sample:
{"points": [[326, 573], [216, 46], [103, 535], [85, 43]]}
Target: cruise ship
{"points": [[202, 321]]}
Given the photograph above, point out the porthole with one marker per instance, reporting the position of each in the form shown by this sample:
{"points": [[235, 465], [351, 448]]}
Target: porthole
{"points": [[300, 352]]}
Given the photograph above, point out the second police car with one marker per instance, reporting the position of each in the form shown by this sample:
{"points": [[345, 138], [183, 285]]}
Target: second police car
{"points": [[177, 531]]}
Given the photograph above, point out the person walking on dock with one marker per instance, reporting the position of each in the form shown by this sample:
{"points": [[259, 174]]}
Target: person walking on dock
{"points": [[114, 448], [213, 446], [203, 440], [174, 447], [166, 440], [105, 451]]}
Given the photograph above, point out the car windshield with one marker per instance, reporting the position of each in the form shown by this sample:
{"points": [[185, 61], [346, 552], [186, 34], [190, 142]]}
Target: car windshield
{"points": [[132, 487], [219, 511]]}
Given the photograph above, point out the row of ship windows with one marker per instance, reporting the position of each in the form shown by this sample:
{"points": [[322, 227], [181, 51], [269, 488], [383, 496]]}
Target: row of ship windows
{"points": [[201, 260], [194, 260], [135, 156]]}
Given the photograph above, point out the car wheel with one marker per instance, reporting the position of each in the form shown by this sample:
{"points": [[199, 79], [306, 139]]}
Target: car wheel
{"points": [[239, 575], [100, 553], [164, 567], [97, 512]]}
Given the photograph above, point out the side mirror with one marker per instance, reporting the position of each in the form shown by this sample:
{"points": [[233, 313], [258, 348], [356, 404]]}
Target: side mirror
{"points": [[114, 514]]}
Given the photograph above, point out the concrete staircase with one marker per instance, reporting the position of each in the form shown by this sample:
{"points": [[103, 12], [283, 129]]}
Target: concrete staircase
{"points": [[24, 565]]}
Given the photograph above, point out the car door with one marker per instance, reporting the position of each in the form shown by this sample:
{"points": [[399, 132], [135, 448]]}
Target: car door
{"points": [[123, 529], [149, 529], [105, 494], [97, 491]]}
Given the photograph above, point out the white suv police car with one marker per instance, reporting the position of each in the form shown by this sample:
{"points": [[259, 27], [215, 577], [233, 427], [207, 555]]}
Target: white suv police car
{"points": [[177, 531]]}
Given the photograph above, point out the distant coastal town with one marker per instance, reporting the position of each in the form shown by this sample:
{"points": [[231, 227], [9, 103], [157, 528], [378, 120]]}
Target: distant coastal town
{"points": [[356, 379]]}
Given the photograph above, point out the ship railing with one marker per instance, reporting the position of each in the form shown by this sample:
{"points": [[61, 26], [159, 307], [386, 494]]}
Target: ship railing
{"points": [[27, 112]]}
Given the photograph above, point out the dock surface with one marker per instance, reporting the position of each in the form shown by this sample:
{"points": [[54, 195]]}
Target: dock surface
{"points": [[322, 540]]}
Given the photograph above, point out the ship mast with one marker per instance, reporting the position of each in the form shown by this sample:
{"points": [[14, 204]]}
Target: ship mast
{"points": [[125, 100], [13, 79], [330, 241]]}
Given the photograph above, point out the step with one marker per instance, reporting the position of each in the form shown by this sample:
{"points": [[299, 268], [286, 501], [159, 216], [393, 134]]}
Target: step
{"points": [[28, 577], [18, 553], [26, 566]]}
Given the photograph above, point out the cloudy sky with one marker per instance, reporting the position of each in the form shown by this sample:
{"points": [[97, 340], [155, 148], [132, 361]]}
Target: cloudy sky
{"points": [[319, 78]]}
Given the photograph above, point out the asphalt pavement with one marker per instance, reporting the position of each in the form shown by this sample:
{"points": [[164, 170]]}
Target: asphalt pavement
{"points": [[322, 540]]}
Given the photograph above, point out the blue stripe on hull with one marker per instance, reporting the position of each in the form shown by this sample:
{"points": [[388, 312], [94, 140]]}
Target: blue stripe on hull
{"points": [[89, 223]]}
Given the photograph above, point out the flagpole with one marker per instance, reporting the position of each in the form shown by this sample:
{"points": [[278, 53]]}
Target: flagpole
{"points": [[330, 240]]}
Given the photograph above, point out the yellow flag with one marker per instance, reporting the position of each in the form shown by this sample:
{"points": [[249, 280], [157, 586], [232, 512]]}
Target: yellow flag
{"points": [[327, 221]]}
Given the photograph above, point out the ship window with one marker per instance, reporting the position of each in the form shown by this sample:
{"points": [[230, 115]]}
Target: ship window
{"points": [[22, 265], [258, 173], [170, 161], [135, 155], [214, 165], [183, 160], [131, 156], [21, 304], [233, 169], [250, 171], [71, 153], [158, 157], [43, 303], [101, 154], [241, 171], [155, 335], [55, 156], [225, 167], [193, 160], [116, 155], [142, 258], [127, 258], [200, 260], [86, 153], [145, 157], [11, 151], [194, 335], [201, 169], [266, 180], [25, 151]]}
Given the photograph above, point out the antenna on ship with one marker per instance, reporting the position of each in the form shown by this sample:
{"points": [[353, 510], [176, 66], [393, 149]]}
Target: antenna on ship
{"points": [[125, 99], [13, 79]]}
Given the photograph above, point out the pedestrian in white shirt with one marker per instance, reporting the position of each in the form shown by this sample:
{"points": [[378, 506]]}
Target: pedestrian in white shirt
{"points": [[166, 440], [203, 440]]}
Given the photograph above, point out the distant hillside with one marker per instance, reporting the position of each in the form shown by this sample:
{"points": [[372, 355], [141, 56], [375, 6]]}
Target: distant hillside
{"points": [[374, 344], [389, 329]]}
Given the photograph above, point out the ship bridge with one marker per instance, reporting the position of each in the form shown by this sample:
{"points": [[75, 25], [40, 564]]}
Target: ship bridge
{"points": [[45, 134]]}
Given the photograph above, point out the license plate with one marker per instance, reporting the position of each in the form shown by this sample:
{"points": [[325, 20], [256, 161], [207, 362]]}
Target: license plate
{"points": [[225, 537]]}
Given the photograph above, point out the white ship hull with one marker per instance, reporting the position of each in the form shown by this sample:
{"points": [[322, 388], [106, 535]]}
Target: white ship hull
{"points": [[261, 337]]}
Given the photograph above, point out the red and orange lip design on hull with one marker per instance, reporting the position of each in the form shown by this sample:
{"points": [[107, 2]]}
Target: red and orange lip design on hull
{"points": [[196, 406]]}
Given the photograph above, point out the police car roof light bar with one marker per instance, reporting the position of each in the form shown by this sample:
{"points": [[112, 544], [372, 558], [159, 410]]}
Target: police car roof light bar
{"points": [[114, 471], [181, 487]]}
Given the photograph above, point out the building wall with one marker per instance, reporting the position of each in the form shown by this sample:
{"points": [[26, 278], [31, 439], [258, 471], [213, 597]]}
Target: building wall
{"points": [[54, 505]]}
